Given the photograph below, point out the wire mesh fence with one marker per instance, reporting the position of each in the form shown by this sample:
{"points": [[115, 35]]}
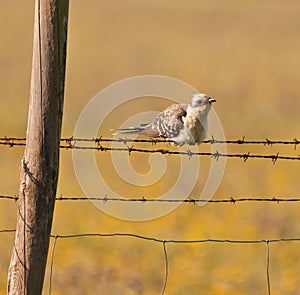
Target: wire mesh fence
{"points": [[164, 243]]}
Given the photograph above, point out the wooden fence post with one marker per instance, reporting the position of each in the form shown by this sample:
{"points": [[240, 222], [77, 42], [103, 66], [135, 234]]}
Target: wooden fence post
{"points": [[39, 167]]}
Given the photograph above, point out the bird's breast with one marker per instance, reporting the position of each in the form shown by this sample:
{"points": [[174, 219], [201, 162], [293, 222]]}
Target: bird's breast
{"points": [[197, 127]]}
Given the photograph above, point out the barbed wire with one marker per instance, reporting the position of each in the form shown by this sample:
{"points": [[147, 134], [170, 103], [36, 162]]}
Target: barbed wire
{"points": [[216, 155], [71, 144], [188, 200], [211, 141], [11, 141]]}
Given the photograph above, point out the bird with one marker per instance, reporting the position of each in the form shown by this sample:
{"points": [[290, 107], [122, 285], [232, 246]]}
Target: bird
{"points": [[179, 123]]}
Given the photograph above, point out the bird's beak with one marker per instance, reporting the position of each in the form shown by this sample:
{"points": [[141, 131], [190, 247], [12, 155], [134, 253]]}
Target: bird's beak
{"points": [[211, 100]]}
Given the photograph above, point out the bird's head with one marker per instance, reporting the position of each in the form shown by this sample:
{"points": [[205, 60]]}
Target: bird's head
{"points": [[201, 100]]}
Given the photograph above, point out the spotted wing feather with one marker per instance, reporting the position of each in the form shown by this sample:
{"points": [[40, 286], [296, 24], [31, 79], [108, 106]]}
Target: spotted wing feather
{"points": [[168, 123]]}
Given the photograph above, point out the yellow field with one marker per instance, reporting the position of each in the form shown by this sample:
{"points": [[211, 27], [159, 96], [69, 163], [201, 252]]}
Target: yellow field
{"points": [[246, 54]]}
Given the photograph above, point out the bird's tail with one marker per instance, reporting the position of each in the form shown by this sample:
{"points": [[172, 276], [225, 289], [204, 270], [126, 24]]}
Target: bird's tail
{"points": [[143, 129], [129, 130]]}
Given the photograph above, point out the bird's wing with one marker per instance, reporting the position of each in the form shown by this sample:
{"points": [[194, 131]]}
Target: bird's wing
{"points": [[168, 123]]}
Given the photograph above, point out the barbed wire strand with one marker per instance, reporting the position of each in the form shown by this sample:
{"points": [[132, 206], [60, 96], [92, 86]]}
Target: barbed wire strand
{"points": [[188, 200], [212, 140], [216, 155], [5, 140], [268, 266]]}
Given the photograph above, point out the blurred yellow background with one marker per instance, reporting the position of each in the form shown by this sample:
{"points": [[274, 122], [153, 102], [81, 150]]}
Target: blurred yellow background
{"points": [[246, 54]]}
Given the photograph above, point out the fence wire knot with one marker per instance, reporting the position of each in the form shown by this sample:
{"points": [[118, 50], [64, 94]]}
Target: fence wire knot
{"points": [[296, 143], [274, 158], [98, 141], [123, 140], [216, 155], [245, 156], [191, 200], [153, 141], [212, 140], [70, 143], [189, 153], [130, 148], [241, 141], [69, 140], [105, 199], [268, 142], [100, 147]]}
